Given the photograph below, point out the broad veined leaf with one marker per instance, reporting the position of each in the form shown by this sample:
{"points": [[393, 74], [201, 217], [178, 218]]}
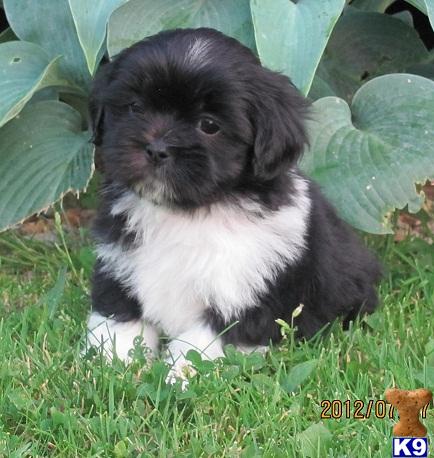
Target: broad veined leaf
{"points": [[426, 6], [404, 16], [90, 18], [314, 441], [48, 93], [379, 6], [364, 45], [419, 4], [43, 155], [25, 69], [369, 157], [298, 374], [49, 24], [425, 68], [291, 37], [138, 19], [7, 35], [331, 81]]}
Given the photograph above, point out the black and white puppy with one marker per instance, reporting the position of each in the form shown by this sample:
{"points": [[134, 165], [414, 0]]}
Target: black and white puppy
{"points": [[205, 218]]}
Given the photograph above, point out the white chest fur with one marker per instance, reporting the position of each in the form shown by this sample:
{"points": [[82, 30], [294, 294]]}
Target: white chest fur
{"points": [[220, 257]]}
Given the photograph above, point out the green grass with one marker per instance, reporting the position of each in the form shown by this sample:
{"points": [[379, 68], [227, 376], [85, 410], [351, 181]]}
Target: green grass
{"points": [[55, 403]]}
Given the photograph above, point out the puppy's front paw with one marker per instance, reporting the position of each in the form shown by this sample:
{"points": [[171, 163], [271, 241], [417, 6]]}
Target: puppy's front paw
{"points": [[181, 370], [119, 338]]}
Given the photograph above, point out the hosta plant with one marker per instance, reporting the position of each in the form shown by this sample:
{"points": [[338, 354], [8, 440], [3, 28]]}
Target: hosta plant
{"points": [[368, 73]]}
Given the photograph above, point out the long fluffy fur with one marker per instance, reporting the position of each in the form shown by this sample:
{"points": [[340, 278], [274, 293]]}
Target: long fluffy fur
{"points": [[223, 227]]}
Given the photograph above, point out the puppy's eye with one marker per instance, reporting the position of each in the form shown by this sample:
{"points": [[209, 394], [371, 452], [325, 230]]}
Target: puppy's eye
{"points": [[208, 126], [135, 107]]}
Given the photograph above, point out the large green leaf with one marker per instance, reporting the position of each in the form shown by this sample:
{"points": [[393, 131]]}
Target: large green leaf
{"points": [[291, 37], [426, 6], [91, 19], [425, 68], [365, 45], [140, 18], [420, 4], [43, 154], [298, 374], [369, 157], [314, 441], [379, 6], [404, 16], [49, 24], [26, 68], [7, 35]]}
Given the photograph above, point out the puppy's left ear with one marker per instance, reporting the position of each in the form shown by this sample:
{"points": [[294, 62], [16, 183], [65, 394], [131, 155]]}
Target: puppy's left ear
{"points": [[279, 113]]}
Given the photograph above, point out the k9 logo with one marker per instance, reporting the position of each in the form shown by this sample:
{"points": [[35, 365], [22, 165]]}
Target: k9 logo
{"points": [[410, 447]]}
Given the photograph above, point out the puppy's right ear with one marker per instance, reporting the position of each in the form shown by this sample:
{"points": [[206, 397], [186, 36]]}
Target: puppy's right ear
{"points": [[96, 104]]}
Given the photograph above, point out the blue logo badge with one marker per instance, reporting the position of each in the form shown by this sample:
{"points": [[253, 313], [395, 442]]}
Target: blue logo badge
{"points": [[410, 447]]}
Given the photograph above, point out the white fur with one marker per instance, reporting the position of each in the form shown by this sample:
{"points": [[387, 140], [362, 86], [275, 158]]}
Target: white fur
{"points": [[219, 257], [116, 337], [197, 53], [199, 337]]}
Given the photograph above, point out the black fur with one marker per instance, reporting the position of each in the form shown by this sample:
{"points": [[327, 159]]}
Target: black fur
{"points": [[335, 278], [260, 114], [110, 298], [150, 97]]}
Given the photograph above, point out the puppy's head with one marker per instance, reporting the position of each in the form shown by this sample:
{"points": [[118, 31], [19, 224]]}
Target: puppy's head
{"points": [[188, 117]]}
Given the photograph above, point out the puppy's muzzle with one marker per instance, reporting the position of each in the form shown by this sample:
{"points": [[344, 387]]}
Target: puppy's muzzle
{"points": [[157, 151]]}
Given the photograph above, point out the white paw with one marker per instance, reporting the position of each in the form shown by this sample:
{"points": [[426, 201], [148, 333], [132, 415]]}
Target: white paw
{"points": [[118, 338], [248, 349], [181, 370], [200, 338]]}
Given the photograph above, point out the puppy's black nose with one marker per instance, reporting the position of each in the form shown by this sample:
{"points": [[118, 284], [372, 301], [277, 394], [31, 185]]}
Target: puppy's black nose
{"points": [[157, 150]]}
